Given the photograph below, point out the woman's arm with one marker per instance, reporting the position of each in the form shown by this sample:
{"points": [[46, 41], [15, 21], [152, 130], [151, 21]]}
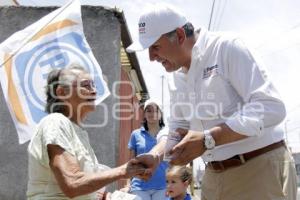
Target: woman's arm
{"points": [[74, 182]]}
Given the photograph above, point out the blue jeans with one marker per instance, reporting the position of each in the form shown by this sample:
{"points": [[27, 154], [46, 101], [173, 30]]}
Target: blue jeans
{"points": [[151, 194]]}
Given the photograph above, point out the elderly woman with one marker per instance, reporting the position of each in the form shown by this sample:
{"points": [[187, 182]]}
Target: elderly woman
{"points": [[62, 163]]}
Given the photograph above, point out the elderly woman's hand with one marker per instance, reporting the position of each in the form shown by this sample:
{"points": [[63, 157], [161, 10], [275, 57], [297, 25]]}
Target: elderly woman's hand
{"points": [[132, 168], [150, 162]]}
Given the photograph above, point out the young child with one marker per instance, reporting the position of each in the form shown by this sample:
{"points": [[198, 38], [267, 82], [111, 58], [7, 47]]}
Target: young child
{"points": [[178, 180]]}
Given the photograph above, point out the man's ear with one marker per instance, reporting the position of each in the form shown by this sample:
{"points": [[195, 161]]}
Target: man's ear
{"points": [[180, 35]]}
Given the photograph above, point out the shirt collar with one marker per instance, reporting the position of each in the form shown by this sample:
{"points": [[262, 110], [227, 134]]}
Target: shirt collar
{"points": [[143, 129], [199, 47], [187, 197]]}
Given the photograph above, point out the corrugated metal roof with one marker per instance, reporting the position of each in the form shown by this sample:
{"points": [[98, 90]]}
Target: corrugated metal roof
{"points": [[130, 62]]}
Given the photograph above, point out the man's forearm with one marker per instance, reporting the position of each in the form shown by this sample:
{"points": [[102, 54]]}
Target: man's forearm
{"points": [[159, 149], [222, 134]]}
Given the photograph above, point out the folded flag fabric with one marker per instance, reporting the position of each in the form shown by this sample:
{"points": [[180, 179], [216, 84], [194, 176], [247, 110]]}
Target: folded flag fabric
{"points": [[26, 57]]}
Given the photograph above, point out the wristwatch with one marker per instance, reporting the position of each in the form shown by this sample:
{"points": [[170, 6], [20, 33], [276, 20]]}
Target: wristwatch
{"points": [[209, 141]]}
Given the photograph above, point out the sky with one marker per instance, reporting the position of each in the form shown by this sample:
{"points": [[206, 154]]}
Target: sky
{"points": [[270, 27]]}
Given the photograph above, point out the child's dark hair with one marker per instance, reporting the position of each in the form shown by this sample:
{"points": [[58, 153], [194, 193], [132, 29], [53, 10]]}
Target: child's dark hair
{"points": [[183, 172]]}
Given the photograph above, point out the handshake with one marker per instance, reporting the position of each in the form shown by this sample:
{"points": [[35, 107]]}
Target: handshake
{"points": [[141, 166], [144, 165], [180, 148]]}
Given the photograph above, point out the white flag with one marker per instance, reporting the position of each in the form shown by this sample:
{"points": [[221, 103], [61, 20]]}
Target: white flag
{"points": [[26, 58]]}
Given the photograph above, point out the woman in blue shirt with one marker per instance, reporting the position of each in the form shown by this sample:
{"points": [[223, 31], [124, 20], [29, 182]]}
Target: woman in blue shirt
{"points": [[142, 141]]}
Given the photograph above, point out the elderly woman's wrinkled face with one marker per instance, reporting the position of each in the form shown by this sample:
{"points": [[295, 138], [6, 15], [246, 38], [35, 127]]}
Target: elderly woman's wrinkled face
{"points": [[81, 95]]}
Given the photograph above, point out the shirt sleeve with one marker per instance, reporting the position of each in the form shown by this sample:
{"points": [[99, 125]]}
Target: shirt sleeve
{"points": [[56, 131], [262, 105], [162, 134], [132, 142], [176, 119]]}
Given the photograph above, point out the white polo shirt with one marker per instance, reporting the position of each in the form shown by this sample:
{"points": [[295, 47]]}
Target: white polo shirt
{"points": [[226, 84]]}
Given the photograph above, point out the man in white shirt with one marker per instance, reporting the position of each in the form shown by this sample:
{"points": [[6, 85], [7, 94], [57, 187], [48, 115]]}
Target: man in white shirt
{"points": [[220, 91]]}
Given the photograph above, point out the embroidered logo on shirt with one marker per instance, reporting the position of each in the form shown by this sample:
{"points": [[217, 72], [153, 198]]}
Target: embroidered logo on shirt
{"points": [[209, 71]]}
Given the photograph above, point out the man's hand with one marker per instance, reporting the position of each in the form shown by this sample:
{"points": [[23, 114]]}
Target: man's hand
{"points": [[150, 162], [182, 131], [189, 148]]}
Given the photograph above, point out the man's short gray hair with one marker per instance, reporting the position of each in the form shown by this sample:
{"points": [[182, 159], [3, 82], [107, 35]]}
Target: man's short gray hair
{"points": [[188, 29]]}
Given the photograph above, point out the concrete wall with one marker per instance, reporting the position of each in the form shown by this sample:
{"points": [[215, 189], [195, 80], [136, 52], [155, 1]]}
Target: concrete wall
{"points": [[102, 31]]}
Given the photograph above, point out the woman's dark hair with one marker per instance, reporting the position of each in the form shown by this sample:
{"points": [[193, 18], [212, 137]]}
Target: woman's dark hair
{"points": [[161, 122], [55, 78]]}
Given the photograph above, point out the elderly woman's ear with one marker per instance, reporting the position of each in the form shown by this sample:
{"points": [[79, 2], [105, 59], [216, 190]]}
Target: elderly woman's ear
{"points": [[60, 92]]}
